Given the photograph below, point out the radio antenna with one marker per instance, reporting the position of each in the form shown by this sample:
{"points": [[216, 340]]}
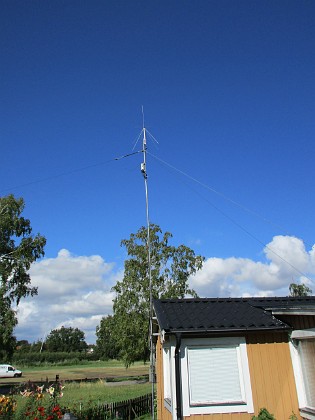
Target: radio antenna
{"points": [[145, 177]]}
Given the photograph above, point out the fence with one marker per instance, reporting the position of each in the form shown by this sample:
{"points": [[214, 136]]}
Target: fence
{"points": [[126, 410]]}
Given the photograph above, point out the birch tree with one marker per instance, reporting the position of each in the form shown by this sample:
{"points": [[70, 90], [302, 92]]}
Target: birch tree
{"points": [[19, 248], [171, 267]]}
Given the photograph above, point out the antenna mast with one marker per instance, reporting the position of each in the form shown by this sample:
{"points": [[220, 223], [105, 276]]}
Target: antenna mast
{"points": [[145, 176]]}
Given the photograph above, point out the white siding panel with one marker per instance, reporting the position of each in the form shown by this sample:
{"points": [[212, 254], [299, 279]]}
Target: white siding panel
{"points": [[307, 354]]}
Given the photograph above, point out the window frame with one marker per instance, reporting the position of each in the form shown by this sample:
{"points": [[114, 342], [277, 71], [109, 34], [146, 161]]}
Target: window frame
{"points": [[214, 351], [167, 375], [169, 386], [203, 408], [298, 336]]}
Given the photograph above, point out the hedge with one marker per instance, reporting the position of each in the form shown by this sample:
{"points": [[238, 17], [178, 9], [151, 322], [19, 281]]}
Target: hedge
{"points": [[51, 358]]}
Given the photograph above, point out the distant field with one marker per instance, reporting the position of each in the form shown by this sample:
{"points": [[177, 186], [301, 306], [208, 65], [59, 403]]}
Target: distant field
{"points": [[90, 370]]}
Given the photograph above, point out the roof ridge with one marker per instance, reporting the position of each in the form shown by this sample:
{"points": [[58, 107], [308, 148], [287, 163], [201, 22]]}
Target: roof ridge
{"points": [[241, 298]]}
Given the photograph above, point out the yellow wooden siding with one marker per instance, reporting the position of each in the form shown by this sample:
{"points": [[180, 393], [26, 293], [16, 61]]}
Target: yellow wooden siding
{"points": [[272, 379], [272, 376]]}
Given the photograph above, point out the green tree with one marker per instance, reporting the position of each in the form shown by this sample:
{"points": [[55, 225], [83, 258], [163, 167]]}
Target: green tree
{"points": [[23, 346], [37, 346], [18, 250], [66, 339], [8, 321], [299, 290], [171, 268], [106, 346]]}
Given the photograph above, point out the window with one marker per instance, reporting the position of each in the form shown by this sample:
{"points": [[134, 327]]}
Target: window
{"points": [[306, 350], [215, 376], [303, 355], [167, 374]]}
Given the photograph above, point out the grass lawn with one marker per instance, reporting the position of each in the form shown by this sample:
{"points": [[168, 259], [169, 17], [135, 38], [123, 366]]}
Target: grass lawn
{"points": [[80, 398], [100, 392], [90, 370]]}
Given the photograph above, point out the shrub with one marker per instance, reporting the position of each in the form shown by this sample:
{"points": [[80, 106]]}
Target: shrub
{"points": [[50, 358], [264, 415]]}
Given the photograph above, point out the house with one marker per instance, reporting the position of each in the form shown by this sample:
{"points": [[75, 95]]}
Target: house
{"points": [[227, 358]]}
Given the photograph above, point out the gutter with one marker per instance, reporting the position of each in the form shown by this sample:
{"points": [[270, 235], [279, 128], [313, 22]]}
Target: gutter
{"points": [[193, 332], [178, 381]]}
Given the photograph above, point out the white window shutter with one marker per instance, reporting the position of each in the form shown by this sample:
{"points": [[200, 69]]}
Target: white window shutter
{"points": [[167, 373], [214, 375]]}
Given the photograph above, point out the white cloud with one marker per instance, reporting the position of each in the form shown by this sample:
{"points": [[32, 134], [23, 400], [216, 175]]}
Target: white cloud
{"points": [[76, 290], [68, 273], [82, 322], [94, 302], [72, 291], [287, 261]]}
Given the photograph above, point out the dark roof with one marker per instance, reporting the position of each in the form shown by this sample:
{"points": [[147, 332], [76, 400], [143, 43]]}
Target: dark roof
{"points": [[225, 314], [287, 304]]}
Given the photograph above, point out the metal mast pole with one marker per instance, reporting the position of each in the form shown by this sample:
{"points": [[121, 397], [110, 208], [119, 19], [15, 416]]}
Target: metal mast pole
{"points": [[145, 176]]}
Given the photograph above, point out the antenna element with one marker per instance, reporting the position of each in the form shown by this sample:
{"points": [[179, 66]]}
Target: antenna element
{"points": [[145, 176]]}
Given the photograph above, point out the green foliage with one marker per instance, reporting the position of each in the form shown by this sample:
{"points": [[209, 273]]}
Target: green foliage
{"points": [[47, 358], [40, 402], [18, 250], [299, 290], [35, 347], [170, 269], [7, 407], [106, 346], [264, 415], [84, 400], [7, 323], [23, 344], [87, 400], [66, 339]]}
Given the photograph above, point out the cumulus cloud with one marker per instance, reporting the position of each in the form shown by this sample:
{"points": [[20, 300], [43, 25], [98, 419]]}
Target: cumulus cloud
{"points": [[72, 291], [68, 273], [75, 291], [286, 261]]}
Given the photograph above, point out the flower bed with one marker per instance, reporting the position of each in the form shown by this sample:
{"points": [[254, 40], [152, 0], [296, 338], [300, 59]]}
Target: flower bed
{"points": [[34, 402]]}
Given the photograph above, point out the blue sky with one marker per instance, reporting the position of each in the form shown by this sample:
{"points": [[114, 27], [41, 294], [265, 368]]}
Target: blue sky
{"points": [[228, 91]]}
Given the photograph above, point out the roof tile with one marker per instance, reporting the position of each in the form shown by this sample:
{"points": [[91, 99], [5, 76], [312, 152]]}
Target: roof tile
{"points": [[223, 314]]}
